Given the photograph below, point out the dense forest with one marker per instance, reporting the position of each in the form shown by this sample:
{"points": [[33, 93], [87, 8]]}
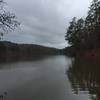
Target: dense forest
{"points": [[84, 33], [12, 51]]}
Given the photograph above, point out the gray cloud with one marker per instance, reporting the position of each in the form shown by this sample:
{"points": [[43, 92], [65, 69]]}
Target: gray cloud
{"points": [[44, 21]]}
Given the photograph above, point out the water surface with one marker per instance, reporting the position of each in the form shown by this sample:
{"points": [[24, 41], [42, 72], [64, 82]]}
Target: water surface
{"points": [[43, 79]]}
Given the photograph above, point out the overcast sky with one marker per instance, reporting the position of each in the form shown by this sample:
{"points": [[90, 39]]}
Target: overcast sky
{"points": [[44, 22]]}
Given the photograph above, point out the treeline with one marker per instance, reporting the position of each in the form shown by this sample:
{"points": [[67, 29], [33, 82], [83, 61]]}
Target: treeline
{"points": [[12, 51], [85, 32]]}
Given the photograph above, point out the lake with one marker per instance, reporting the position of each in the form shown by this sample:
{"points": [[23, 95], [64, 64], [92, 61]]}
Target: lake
{"points": [[49, 78]]}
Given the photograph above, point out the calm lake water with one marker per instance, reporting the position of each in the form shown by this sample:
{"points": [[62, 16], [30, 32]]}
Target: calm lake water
{"points": [[50, 78]]}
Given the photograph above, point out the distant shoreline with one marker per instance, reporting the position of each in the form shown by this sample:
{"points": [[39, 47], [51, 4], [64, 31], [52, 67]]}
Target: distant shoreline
{"points": [[14, 51]]}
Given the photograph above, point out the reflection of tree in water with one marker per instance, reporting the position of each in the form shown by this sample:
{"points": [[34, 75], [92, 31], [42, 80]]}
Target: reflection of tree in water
{"points": [[2, 96], [84, 76]]}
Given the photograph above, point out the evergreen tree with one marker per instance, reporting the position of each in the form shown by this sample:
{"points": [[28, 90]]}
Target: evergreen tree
{"points": [[75, 31], [86, 33]]}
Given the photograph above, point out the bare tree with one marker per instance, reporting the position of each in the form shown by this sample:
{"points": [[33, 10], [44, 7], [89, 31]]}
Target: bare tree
{"points": [[8, 20]]}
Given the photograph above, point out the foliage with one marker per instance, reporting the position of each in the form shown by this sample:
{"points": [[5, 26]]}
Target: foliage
{"points": [[8, 20], [85, 32]]}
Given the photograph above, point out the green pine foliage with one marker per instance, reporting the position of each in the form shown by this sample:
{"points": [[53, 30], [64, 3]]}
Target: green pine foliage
{"points": [[85, 33]]}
